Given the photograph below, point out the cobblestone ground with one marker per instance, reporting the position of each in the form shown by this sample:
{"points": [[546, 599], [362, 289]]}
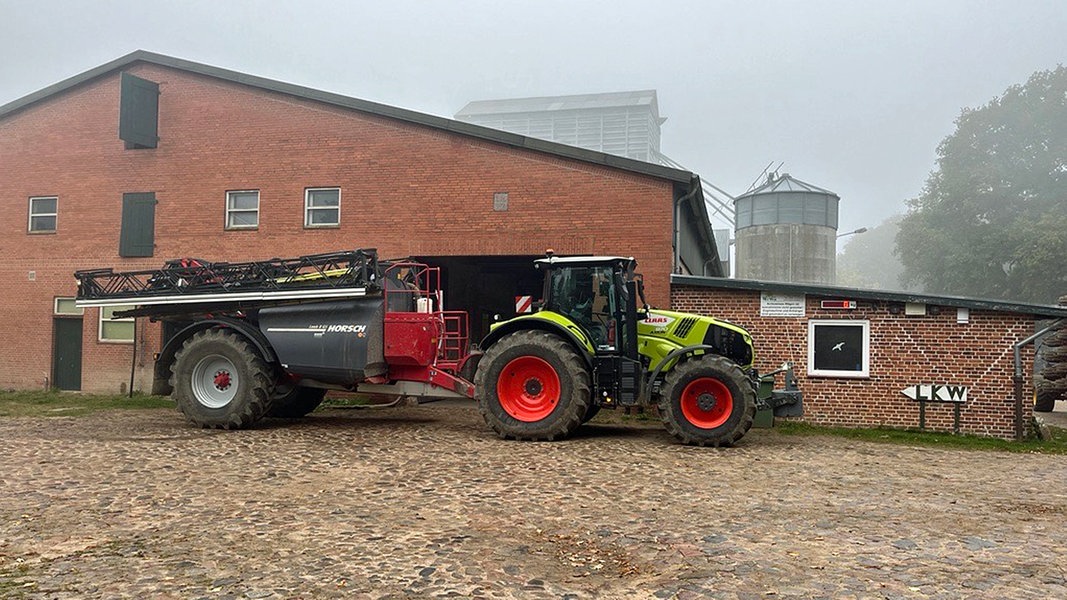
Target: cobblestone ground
{"points": [[425, 502]]}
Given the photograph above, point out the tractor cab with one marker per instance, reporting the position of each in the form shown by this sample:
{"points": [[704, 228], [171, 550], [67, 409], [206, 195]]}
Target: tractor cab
{"points": [[592, 293], [597, 295]]}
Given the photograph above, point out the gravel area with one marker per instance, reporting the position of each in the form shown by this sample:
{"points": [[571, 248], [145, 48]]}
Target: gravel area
{"points": [[426, 502]]}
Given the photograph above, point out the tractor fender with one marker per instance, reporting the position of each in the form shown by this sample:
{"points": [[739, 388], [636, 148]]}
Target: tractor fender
{"points": [[674, 354], [541, 325], [161, 383]]}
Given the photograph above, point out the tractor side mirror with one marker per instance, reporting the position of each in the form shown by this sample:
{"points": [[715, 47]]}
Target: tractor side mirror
{"points": [[641, 291]]}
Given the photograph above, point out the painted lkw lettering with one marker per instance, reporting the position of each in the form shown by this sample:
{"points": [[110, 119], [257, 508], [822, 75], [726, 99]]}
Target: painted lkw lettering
{"points": [[936, 392]]}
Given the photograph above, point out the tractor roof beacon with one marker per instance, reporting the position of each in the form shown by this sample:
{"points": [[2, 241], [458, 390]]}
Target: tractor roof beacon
{"points": [[268, 338]]}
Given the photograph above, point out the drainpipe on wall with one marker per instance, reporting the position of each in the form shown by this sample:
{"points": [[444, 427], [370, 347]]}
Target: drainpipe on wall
{"points": [[133, 359], [1017, 378]]}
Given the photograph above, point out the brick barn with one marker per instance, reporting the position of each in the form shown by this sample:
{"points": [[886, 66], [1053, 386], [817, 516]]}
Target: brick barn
{"points": [[150, 158], [885, 359]]}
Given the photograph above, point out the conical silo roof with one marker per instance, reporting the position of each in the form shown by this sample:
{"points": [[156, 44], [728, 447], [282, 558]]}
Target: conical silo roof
{"points": [[786, 183], [786, 199], [786, 230]]}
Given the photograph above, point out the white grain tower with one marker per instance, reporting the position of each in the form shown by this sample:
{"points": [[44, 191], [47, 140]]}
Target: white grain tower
{"points": [[620, 123]]}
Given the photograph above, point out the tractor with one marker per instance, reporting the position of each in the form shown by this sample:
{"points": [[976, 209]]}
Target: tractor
{"points": [[590, 346]]}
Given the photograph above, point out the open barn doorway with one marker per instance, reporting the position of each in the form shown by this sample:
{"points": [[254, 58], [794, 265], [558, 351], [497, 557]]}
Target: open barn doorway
{"points": [[485, 286]]}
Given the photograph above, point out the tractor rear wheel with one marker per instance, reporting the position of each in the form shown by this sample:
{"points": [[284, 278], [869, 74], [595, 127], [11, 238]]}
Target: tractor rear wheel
{"points": [[532, 385], [220, 381], [707, 402], [294, 401]]}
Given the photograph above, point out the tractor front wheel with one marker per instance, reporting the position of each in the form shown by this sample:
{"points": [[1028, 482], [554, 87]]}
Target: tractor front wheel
{"points": [[707, 402], [220, 381], [532, 385]]}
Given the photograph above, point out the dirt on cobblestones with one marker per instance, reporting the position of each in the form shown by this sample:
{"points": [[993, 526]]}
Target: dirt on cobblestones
{"points": [[426, 502]]}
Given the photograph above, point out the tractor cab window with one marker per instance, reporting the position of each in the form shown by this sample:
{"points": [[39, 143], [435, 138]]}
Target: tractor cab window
{"points": [[587, 295]]}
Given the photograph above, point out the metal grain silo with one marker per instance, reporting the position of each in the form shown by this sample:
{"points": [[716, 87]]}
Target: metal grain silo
{"points": [[787, 231]]}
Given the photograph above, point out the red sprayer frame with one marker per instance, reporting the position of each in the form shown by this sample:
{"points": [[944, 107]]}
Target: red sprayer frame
{"points": [[430, 344]]}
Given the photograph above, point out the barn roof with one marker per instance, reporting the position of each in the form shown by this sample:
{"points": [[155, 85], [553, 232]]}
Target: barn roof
{"points": [[366, 106]]}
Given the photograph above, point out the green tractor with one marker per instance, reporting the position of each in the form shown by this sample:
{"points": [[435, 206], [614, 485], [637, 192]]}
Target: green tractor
{"points": [[589, 346]]}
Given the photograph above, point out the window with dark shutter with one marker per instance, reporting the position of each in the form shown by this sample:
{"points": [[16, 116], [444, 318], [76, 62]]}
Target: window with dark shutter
{"points": [[137, 237], [138, 112]]}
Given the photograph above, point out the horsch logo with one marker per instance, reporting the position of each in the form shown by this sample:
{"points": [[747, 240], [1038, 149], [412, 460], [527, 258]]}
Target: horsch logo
{"points": [[346, 329]]}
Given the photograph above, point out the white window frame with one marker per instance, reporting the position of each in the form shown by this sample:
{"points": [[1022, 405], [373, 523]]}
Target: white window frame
{"points": [[864, 373], [308, 208], [230, 210], [77, 312], [101, 320], [29, 222]]}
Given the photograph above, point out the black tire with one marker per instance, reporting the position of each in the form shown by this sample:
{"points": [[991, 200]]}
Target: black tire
{"points": [[1052, 385], [1055, 371], [531, 365], [590, 413], [1056, 354], [1046, 402], [1048, 391], [294, 401], [1056, 339], [707, 402], [220, 381]]}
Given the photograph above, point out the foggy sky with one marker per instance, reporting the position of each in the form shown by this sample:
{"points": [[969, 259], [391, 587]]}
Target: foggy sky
{"points": [[852, 96]]}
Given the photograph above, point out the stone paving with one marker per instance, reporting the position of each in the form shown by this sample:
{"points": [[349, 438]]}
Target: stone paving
{"points": [[425, 502]]}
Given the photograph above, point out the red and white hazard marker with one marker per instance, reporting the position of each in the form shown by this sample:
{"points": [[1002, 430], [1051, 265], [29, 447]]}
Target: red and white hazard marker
{"points": [[523, 304]]}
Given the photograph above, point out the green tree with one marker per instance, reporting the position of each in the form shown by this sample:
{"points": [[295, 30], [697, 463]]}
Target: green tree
{"points": [[992, 218]]}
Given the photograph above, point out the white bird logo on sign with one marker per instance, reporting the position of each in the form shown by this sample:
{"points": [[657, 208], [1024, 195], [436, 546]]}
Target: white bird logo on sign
{"points": [[838, 347]]}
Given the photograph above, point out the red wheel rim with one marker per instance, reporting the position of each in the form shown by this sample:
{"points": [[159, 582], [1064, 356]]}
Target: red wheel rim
{"points": [[528, 389], [707, 403]]}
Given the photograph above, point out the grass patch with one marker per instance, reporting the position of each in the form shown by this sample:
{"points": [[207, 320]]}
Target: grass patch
{"points": [[65, 404], [1056, 445], [345, 400]]}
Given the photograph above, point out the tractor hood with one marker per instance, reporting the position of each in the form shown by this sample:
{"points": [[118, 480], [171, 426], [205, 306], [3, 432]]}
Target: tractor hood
{"points": [[667, 329]]}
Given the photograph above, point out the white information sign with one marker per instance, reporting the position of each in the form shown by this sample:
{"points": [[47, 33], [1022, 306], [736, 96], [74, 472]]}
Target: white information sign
{"points": [[781, 305]]}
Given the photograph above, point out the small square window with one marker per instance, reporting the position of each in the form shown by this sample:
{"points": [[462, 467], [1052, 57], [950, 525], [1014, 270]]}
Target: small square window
{"points": [[114, 329], [322, 207], [839, 348], [65, 306], [242, 209], [43, 213], [500, 201]]}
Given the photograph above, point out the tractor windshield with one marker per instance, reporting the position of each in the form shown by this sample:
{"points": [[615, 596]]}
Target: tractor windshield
{"points": [[587, 295]]}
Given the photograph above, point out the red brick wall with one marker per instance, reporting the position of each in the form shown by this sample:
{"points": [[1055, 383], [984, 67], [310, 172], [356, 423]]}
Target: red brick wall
{"points": [[405, 189], [904, 351]]}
